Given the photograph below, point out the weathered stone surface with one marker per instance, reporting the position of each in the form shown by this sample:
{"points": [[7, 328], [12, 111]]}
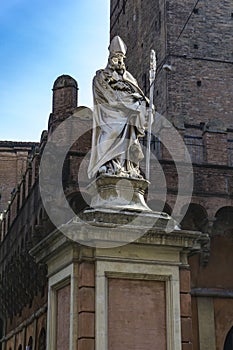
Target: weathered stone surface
{"points": [[86, 274], [186, 329], [184, 280], [187, 346], [63, 318], [136, 314], [86, 325], [86, 298], [122, 193], [185, 305], [86, 344]]}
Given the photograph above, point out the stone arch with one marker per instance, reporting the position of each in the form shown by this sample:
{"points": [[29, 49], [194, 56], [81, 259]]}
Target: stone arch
{"points": [[195, 218], [228, 345], [223, 224], [30, 343], [42, 340]]}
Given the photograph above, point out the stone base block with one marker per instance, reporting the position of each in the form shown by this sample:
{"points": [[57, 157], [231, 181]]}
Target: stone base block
{"points": [[118, 193]]}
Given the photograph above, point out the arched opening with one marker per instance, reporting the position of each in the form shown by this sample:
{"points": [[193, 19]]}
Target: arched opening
{"points": [[223, 224], [228, 345], [30, 344], [195, 218], [42, 340], [20, 347]]}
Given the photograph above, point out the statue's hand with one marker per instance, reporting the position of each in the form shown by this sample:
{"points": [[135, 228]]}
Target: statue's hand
{"points": [[119, 85], [137, 96]]}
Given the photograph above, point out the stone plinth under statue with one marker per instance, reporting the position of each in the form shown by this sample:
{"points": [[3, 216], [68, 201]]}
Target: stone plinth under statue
{"points": [[139, 285], [120, 193]]}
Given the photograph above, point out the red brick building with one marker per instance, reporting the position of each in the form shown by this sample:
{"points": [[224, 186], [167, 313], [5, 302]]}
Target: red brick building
{"points": [[24, 222], [193, 91], [14, 157]]}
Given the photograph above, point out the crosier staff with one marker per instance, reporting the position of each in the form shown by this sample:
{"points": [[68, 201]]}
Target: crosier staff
{"points": [[152, 81]]}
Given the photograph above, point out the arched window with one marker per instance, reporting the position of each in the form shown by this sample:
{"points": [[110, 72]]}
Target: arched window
{"points": [[20, 347], [229, 341], [30, 343], [194, 217], [42, 340], [223, 224]]}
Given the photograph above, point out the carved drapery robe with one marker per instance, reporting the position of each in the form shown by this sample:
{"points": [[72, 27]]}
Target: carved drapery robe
{"points": [[120, 119]]}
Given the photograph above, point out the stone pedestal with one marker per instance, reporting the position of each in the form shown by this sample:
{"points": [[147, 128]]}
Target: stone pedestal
{"points": [[120, 193], [130, 296]]}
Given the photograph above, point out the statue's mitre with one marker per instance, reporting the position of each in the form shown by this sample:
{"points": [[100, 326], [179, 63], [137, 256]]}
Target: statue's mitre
{"points": [[117, 45]]}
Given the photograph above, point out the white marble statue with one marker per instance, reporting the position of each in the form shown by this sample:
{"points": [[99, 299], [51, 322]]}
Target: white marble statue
{"points": [[120, 118]]}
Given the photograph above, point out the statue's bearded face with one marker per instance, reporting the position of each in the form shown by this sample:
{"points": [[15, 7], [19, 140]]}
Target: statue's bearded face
{"points": [[116, 61]]}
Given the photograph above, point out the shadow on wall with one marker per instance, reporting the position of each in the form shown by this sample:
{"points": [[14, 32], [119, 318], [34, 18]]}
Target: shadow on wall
{"points": [[223, 224], [228, 345], [158, 205], [195, 219]]}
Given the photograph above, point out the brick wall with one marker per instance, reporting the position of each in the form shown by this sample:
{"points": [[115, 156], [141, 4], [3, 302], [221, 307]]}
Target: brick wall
{"points": [[25, 221], [196, 96], [13, 163], [186, 314], [136, 314], [86, 315], [199, 88]]}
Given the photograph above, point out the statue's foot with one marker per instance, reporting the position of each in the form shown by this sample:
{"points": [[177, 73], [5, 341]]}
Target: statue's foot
{"points": [[135, 174]]}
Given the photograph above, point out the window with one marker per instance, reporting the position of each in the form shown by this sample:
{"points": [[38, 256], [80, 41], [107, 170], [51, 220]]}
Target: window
{"points": [[30, 344], [42, 340]]}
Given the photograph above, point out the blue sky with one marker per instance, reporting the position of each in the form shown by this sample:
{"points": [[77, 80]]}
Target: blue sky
{"points": [[40, 40]]}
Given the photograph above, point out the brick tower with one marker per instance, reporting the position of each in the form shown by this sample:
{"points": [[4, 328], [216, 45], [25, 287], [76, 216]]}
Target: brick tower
{"points": [[65, 100], [195, 40]]}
